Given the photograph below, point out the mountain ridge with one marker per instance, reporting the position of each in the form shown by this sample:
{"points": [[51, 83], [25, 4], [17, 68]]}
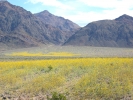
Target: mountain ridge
{"points": [[56, 21], [19, 26], [105, 33], [61, 23]]}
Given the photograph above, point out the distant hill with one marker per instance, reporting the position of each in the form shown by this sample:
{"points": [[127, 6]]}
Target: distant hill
{"points": [[105, 33], [66, 26], [21, 28], [56, 21]]}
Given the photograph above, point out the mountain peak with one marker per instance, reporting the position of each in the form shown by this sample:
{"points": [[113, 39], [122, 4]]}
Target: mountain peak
{"points": [[124, 17], [45, 11], [3, 0], [56, 21], [20, 28], [105, 33]]}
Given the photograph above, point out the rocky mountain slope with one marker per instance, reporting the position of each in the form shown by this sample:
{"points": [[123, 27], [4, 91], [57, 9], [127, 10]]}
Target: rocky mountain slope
{"points": [[66, 26], [21, 28], [56, 21], [105, 33]]}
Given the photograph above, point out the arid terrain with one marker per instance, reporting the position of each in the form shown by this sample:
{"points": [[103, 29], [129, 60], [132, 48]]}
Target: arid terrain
{"points": [[48, 57], [82, 51]]}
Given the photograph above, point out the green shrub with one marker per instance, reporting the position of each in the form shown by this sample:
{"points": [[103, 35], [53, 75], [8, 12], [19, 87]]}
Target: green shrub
{"points": [[56, 96]]}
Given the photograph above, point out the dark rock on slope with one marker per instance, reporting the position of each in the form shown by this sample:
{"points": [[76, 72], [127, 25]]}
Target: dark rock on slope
{"points": [[105, 33], [21, 28], [68, 27], [59, 22]]}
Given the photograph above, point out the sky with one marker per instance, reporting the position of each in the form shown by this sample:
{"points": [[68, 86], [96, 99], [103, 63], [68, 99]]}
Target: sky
{"points": [[81, 12]]}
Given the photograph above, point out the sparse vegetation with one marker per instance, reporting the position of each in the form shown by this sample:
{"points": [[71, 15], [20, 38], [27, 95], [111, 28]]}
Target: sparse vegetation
{"points": [[62, 51], [79, 78], [56, 96], [58, 54]]}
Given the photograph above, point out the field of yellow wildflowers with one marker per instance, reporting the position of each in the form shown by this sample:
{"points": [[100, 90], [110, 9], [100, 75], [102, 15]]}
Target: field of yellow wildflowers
{"points": [[76, 78]]}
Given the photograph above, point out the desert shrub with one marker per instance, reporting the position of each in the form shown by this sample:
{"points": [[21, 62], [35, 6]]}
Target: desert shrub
{"points": [[57, 96], [50, 68]]}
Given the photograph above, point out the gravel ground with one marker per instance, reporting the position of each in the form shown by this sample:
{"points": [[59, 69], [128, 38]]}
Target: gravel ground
{"points": [[83, 51]]}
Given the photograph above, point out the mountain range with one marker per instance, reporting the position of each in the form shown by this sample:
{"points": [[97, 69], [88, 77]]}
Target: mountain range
{"points": [[105, 33], [21, 28]]}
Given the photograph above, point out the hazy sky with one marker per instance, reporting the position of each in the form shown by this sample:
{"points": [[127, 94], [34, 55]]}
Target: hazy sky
{"points": [[81, 12]]}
